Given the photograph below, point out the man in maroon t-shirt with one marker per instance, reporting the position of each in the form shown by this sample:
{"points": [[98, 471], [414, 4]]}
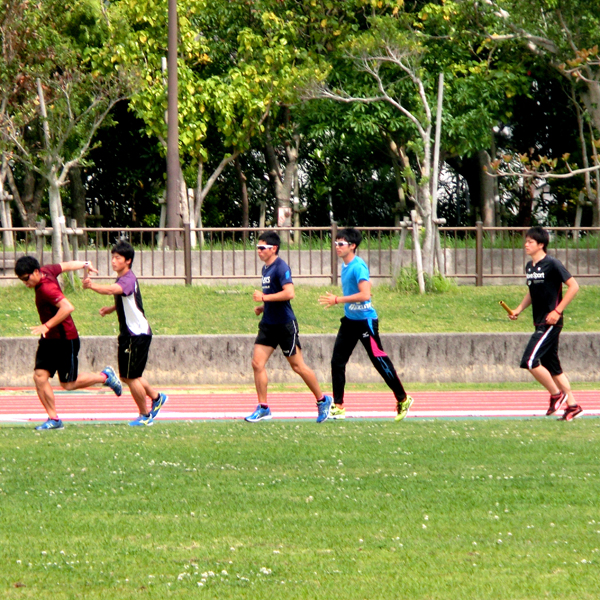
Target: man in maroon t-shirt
{"points": [[58, 347]]}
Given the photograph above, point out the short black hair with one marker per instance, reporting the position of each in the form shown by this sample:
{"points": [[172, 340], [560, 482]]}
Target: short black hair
{"points": [[124, 249], [351, 235], [26, 265], [540, 235], [270, 237]]}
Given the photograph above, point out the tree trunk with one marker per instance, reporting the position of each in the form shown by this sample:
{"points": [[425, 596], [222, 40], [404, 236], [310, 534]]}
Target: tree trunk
{"points": [[398, 175], [244, 195], [591, 99], [262, 217], [487, 191], [78, 195], [55, 217], [282, 181], [5, 212], [162, 223], [199, 196], [417, 246], [427, 218], [525, 206], [578, 212], [592, 195], [28, 204], [421, 195], [296, 206]]}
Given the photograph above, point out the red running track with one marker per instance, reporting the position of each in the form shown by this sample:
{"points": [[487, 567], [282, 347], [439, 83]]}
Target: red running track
{"points": [[22, 405]]}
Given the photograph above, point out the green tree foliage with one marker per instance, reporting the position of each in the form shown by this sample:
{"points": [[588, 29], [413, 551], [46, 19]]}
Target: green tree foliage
{"points": [[58, 88], [243, 72]]}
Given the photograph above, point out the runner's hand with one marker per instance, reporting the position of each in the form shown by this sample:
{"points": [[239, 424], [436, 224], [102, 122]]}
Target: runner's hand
{"points": [[328, 300], [40, 330]]}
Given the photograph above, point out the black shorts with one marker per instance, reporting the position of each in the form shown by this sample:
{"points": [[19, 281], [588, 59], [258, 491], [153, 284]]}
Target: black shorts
{"points": [[133, 355], [542, 349], [284, 335], [58, 356]]}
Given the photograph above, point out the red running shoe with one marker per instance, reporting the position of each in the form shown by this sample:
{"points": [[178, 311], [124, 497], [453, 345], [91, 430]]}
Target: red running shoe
{"points": [[571, 412], [556, 403]]}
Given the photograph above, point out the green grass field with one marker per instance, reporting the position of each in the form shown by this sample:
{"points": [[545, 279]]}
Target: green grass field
{"points": [[178, 310], [463, 509]]}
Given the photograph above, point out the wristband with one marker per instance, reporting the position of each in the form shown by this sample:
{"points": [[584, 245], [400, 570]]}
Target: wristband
{"points": [[558, 311], [263, 299], [336, 300]]}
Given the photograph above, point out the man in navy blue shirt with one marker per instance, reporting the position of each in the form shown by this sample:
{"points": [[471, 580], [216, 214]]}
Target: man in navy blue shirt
{"points": [[545, 278], [278, 327]]}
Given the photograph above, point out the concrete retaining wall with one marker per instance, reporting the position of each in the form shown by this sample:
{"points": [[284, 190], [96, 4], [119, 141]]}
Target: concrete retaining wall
{"points": [[208, 359]]}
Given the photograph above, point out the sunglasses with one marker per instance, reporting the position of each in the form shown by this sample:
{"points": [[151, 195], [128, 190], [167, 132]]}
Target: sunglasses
{"points": [[264, 247], [341, 244], [25, 278]]}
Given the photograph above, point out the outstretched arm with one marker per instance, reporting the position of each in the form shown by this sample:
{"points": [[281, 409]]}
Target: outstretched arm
{"points": [[75, 265], [112, 289]]}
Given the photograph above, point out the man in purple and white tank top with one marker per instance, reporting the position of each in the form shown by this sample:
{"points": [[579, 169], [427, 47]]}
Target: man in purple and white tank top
{"points": [[135, 335]]}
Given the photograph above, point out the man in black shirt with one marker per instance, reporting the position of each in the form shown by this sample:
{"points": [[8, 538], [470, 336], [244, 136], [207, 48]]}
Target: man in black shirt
{"points": [[545, 278]]}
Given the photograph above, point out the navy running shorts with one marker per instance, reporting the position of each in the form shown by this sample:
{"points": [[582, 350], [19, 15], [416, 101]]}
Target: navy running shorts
{"points": [[284, 335]]}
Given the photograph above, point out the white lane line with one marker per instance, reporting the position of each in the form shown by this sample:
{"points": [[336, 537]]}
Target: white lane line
{"points": [[165, 415]]}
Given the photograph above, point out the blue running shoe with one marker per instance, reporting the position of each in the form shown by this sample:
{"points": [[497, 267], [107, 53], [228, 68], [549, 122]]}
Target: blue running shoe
{"points": [[142, 421], [260, 414], [112, 381], [323, 407], [50, 424], [158, 404]]}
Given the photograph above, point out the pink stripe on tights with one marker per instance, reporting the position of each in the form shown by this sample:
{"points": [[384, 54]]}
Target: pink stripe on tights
{"points": [[376, 351]]}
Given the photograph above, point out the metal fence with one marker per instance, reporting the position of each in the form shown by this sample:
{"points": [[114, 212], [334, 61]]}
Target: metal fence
{"points": [[474, 255]]}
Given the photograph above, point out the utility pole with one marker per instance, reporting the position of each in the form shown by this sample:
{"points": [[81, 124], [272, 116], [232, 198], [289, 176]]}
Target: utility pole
{"points": [[173, 167]]}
